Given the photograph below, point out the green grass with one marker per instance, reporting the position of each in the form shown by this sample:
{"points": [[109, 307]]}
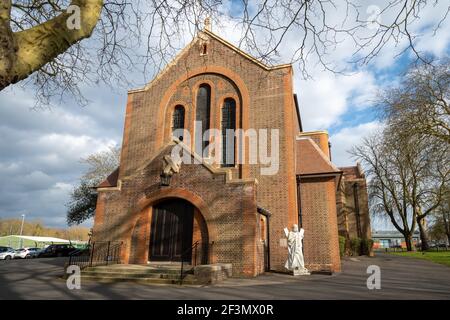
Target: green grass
{"points": [[442, 257]]}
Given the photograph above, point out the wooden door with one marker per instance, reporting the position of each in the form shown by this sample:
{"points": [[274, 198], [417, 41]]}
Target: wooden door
{"points": [[171, 231]]}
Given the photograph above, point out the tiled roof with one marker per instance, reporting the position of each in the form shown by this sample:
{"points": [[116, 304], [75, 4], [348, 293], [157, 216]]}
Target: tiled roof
{"points": [[311, 160], [353, 172], [111, 181]]}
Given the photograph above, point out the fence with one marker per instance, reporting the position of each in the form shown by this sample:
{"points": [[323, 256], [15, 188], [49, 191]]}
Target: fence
{"points": [[399, 249], [98, 254]]}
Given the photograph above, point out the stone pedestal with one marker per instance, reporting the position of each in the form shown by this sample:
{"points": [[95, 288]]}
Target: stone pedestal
{"points": [[213, 273], [300, 272]]}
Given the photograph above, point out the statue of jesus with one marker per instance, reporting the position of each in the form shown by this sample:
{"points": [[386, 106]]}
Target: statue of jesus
{"points": [[295, 261]]}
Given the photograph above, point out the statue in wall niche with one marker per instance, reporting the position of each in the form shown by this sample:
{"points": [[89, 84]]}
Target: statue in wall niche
{"points": [[295, 261], [170, 165]]}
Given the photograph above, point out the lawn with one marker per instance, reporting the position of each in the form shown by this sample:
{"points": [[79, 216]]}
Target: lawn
{"points": [[441, 257]]}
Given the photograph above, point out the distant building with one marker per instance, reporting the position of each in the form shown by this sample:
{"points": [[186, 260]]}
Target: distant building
{"points": [[17, 242], [392, 239]]}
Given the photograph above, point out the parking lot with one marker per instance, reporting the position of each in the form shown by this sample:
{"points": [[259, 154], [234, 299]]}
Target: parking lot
{"points": [[401, 278]]}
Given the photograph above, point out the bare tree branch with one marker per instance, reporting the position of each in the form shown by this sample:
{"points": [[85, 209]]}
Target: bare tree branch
{"points": [[135, 36]]}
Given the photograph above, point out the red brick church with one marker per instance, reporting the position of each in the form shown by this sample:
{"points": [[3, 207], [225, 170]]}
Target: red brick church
{"points": [[230, 211]]}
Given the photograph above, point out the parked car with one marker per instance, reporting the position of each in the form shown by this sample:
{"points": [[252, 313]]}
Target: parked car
{"points": [[56, 250], [27, 253], [7, 253], [34, 252]]}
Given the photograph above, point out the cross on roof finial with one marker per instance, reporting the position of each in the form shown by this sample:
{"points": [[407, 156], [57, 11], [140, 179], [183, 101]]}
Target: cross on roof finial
{"points": [[208, 23]]}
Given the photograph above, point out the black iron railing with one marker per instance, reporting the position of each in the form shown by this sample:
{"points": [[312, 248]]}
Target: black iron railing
{"points": [[98, 253], [195, 255]]}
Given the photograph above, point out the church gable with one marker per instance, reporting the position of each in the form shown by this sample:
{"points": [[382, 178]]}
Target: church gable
{"points": [[188, 169], [230, 73], [210, 48]]}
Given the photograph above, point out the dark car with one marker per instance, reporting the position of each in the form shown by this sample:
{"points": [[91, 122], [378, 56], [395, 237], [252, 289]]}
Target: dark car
{"points": [[57, 250]]}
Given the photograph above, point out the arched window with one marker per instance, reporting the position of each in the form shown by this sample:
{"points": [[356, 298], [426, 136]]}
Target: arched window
{"points": [[203, 111], [178, 120], [228, 124]]}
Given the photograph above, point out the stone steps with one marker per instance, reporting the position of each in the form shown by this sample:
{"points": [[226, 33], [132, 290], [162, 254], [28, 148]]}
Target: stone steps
{"points": [[111, 274], [154, 274], [104, 279], [143, 271]]}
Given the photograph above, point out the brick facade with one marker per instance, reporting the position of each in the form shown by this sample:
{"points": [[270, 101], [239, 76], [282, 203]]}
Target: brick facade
{"points": [[226, 200], [352, 205]]}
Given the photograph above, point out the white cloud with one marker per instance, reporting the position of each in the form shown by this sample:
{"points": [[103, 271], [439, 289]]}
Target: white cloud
{"points": [[36, 180], [326, 98], [41, 151], [343, 140]]}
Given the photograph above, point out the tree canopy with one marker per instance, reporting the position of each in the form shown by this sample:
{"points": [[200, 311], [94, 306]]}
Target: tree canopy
{"points": [[407, 162], [45, 41], [83, 198]]}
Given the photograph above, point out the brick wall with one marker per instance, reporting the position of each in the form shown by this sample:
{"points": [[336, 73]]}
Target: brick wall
{"points": [[346, 208], [228, 209], [264, 101], [321, 245]]}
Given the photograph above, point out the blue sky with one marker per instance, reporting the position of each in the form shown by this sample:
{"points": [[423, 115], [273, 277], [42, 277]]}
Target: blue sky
{"points": [[40, 150]]}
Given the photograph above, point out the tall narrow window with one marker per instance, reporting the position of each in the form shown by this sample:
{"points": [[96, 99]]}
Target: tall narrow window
{"points": [[204, 50], [228, 129], [202, 114], [178, 121]]}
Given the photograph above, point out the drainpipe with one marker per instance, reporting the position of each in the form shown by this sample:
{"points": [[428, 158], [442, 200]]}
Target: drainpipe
{"points": [[299, 204], [356, 202]]}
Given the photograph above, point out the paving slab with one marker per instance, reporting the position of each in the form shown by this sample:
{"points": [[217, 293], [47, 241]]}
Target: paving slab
{"points": [[401, 278]]}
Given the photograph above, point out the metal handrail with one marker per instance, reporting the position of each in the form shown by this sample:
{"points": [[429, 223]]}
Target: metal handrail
{"points": [[193, 248]]}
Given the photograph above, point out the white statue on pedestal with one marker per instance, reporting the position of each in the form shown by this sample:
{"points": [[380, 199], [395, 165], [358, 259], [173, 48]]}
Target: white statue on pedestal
{"points": [[295, 261]]}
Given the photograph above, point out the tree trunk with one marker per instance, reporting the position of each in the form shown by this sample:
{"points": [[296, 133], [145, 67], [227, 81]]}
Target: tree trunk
{"points": [[408, 241], [24, 52], [446, 226], [423, 234], [8, 46]]}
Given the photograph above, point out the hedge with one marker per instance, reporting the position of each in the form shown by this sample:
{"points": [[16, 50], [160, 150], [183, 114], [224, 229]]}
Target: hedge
{"points": [[342, 245]]}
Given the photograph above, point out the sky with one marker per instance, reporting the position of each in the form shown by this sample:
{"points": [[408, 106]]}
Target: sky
{"points": [[40, 149]]}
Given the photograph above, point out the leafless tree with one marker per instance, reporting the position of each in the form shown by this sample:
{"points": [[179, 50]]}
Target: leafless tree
{"points": [[441, 225], [407, 178], [101, 164], [125, 36], [83, 199], [420, 104]]}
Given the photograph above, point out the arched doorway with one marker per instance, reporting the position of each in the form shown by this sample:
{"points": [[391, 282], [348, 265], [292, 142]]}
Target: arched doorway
{"points": [[171, 231]]}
